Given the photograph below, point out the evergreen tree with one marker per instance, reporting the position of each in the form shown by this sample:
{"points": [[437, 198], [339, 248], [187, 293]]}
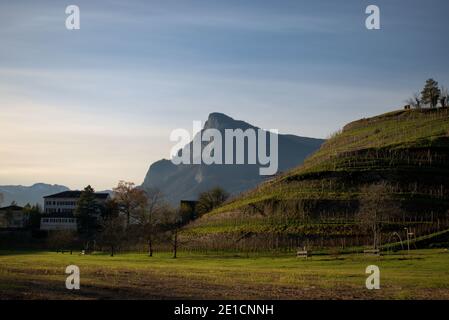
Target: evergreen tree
{"points": [[430, 93], [86, 212], [33, 216]]}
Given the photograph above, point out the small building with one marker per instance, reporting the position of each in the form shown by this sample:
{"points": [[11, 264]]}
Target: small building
{"points": [[12, 217], [59, 210]]}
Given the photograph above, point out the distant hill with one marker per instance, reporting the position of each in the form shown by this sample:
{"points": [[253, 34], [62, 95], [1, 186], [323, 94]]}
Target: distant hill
{"points": [[32, 194], [185, 182], [315, 203]]}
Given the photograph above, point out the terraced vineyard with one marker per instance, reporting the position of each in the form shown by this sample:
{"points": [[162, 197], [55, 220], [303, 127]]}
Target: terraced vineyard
{"points": [[315, 204]]}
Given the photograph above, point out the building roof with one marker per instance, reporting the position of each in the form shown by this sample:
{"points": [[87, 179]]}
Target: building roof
{"points": [[12, 208], [76, 195]]}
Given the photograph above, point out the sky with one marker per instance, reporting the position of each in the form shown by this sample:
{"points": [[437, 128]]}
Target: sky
{"points": [[97, 105]]}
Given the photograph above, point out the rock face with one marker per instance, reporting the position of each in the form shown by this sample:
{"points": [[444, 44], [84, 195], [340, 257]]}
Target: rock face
{"points": [[29, 194], [186, 181]]}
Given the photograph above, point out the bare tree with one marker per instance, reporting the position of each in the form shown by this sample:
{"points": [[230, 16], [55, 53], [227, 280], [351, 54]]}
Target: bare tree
{"points": [[172, 222], [130, 199], [417, 99], [149, 218], [376, 208], [414, 101]]}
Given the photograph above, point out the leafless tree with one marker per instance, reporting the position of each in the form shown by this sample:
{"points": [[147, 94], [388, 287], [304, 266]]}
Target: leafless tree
{"points": [[172, 222], [149, 218], [130, 199], [414, 101], [417, 99], [376, 207], [410, 102]]}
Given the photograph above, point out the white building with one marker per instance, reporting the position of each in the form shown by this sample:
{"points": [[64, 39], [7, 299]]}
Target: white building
{"points": [[59, 210], [59, 222]]}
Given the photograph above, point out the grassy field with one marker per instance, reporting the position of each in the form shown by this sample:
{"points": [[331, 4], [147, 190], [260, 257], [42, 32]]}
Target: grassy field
{"points": [[40, 275]]}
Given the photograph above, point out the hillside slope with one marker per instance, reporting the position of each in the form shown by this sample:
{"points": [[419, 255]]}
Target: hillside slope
{"points": [[316, 202]]}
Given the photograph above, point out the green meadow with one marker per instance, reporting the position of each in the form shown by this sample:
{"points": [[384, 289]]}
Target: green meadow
{"points": [[424, 274]]}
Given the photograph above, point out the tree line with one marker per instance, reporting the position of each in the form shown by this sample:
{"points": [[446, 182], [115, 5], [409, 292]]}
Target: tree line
{"points": [[131, 216], [430, 96], [146, 215]]}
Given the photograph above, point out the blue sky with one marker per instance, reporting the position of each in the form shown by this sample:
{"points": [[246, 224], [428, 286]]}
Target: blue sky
{"points": [[98, 104]]}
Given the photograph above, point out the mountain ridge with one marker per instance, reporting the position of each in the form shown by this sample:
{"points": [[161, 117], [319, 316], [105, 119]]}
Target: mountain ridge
{"points": [[33, 194], [186, 181], [29, 194]]}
